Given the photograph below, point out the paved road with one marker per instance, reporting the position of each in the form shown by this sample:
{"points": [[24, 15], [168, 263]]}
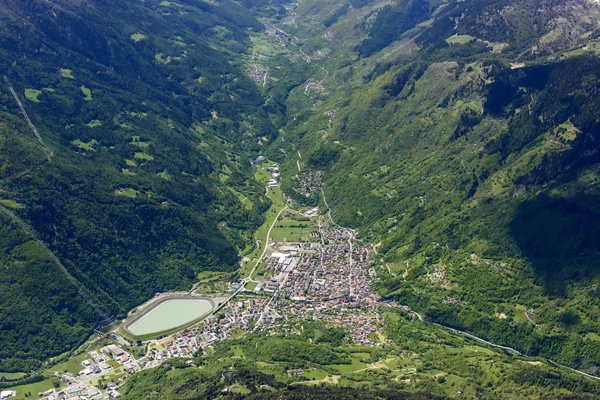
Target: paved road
{"points": [[249, 277]]}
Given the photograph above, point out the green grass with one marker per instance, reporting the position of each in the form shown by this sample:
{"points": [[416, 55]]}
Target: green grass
{"points": [[165, 175], [238, 389], [12, 375], [459, 39], [143, 156], [87, 93], [204, 275], [238, 352], [212, 287], [66, 73], [11, 204], [356, 365], [32, 95], [126, 192], [163, 60], [394, 317], [126, 171], [33, 388], [109, 377], [137, 37], [94, 123], [89, 146], [264, 45], [251, 285], [135, 140], [72, 365], [210, 282], [223, 178], [292, 230], [315, 373], [593, 336]]}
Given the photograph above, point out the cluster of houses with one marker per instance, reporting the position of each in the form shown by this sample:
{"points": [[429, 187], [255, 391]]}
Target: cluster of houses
{"points": [[326, 281], [309, 182], [79, 387], [233, 317], [332, 271], [182, 344], [274, 181]]}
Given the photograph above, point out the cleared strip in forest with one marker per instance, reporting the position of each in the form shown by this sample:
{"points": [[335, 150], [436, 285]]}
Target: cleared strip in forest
{"points": [[49, 153]]}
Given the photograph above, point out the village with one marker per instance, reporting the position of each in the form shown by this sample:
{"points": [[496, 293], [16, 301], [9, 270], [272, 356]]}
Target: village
{"points": [[325, 278], [88, 383]]}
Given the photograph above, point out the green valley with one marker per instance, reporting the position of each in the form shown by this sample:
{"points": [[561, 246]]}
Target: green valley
{"points": [[387, 199]]}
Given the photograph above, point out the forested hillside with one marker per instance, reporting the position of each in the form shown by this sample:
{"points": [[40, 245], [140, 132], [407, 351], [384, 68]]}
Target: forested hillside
{"points": [[460, 139], [146, 133]]}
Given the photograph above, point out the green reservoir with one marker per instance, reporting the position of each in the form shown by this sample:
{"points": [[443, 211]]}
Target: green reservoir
{"points": [[169, 314]]}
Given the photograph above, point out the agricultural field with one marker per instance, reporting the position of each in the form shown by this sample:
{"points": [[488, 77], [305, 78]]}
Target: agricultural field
{"points": [[294, 228], [32, 390], [72, 365]]}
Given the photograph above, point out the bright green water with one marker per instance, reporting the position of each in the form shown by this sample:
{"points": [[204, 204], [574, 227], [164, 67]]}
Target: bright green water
{"points": [[170, 314]]}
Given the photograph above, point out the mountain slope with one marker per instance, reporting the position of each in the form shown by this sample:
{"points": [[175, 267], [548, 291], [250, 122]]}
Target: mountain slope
{"points": [[465, 147], [143, 121]]}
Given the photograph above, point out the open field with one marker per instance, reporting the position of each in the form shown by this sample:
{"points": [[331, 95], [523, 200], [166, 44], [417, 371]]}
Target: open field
{"points": [[293, 228], [12, 375], [72, 365], [11, 204], [87, 93], [32, 94], [32, 390]]}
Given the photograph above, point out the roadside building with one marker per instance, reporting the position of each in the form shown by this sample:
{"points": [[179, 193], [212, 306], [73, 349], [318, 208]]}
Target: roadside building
{"points": [[116, 351]]}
